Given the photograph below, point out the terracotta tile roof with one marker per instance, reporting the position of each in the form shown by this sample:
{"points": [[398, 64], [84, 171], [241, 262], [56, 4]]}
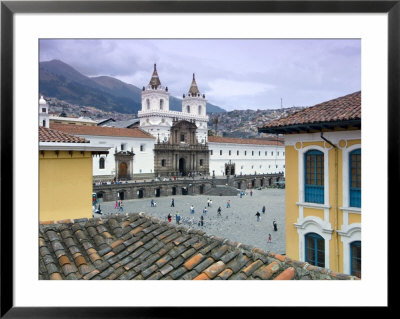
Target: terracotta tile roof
{"points": [[52, 135], [258, 141], [137, 246], [101, 130], [342, 109]]}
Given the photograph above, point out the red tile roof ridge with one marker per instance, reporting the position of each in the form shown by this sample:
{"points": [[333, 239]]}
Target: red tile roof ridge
{"points": [[50, 135], [236, 140], [134, 132], [344, 108]]}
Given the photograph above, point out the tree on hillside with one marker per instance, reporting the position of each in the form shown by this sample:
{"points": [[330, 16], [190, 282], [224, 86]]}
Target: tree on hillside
{"points": [[215, 122]]}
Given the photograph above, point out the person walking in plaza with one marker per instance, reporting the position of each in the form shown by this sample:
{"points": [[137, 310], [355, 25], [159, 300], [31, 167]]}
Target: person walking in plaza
{"points": [[269, 238], [192, 209], [228, 204], [201, 222], [263, 210], [275, 225], [258, 216], [152, 203], [121, 208], [169, 217], [208, 202], [172, 203], [219, 211], [116, 204], [205, 211], [251, 193], [177, 218]]}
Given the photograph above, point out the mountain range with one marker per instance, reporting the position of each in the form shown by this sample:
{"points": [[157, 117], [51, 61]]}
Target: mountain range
{"points": [[60, 80]]}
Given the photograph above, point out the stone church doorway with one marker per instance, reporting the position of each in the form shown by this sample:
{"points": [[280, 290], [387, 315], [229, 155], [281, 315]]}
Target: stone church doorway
{"points": [[182, 169], [123, 170]]}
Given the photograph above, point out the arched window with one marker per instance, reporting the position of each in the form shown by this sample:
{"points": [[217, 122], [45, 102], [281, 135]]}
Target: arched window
{"points": [[163, 162], [314, 177], [355, 258], [199, 109], [161, 104], [188, 108], [355, 178], [102, 164], [315, 250], [148, 104]]}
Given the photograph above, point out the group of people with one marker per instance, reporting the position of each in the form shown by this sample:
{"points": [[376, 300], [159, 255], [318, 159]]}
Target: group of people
{"points": [[258, 213], [275, 225], [177, 217], [119, 205], [153, 203]]}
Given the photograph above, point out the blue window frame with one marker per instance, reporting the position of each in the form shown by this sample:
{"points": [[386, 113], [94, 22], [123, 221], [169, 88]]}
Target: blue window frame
{"points": [[355, 178], [355, 258], [314, 176], [315, 250]]}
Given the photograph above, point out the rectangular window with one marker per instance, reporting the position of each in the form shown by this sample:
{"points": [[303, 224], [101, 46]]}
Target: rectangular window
{"points": [[266, 153], [201, 163], [314, 177], [211, 152], [237, 153], [230, 152], [123, 146], [245, 153], [252, 153], [355, 257], [355, 178], [142, 148], [220, 152], [44, 110], [272, 153], [182, 137]]}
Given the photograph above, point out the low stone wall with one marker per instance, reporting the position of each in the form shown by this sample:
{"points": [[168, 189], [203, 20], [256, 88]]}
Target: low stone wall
{"points": [[151, 189], [254, 181]]}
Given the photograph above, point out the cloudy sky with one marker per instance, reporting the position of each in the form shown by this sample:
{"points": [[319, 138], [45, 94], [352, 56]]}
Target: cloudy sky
{"points": [[234, 74]]}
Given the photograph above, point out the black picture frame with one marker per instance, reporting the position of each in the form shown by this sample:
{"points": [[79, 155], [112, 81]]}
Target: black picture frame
{"points": [[9, 8]]}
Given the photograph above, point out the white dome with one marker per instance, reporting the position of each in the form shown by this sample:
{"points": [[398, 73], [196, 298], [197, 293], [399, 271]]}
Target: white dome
{"points": [[42, 100]]}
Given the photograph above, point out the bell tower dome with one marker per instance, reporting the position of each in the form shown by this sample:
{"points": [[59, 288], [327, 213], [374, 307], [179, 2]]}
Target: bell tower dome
{"points": [[194, 103], [155, 97]]}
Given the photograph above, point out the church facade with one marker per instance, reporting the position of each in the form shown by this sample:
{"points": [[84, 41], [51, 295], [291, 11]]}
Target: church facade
{"points": [[182, 154]]}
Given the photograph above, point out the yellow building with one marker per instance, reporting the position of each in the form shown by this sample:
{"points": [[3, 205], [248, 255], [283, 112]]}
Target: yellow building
{"points": [[65, 175], [323, 183]]}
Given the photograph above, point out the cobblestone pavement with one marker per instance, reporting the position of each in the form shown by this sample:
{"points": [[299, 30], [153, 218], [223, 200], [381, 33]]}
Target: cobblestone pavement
{"points": [[237, 223]]}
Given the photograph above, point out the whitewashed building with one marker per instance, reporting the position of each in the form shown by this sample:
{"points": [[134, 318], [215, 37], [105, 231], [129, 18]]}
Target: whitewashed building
{"points": [[130, 150], [236, 156]]}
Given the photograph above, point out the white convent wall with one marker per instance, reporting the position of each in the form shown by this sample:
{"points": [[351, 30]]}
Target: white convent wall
{"points": [[143, 160], [252, 158]]}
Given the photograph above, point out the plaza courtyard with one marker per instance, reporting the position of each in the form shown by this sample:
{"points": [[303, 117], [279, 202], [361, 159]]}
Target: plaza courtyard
{"points": [[238, 223]]}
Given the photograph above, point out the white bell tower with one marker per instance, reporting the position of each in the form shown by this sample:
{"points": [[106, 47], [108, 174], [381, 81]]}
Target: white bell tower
{"points": [[155, 97], [43, 113], [194, 103]]}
